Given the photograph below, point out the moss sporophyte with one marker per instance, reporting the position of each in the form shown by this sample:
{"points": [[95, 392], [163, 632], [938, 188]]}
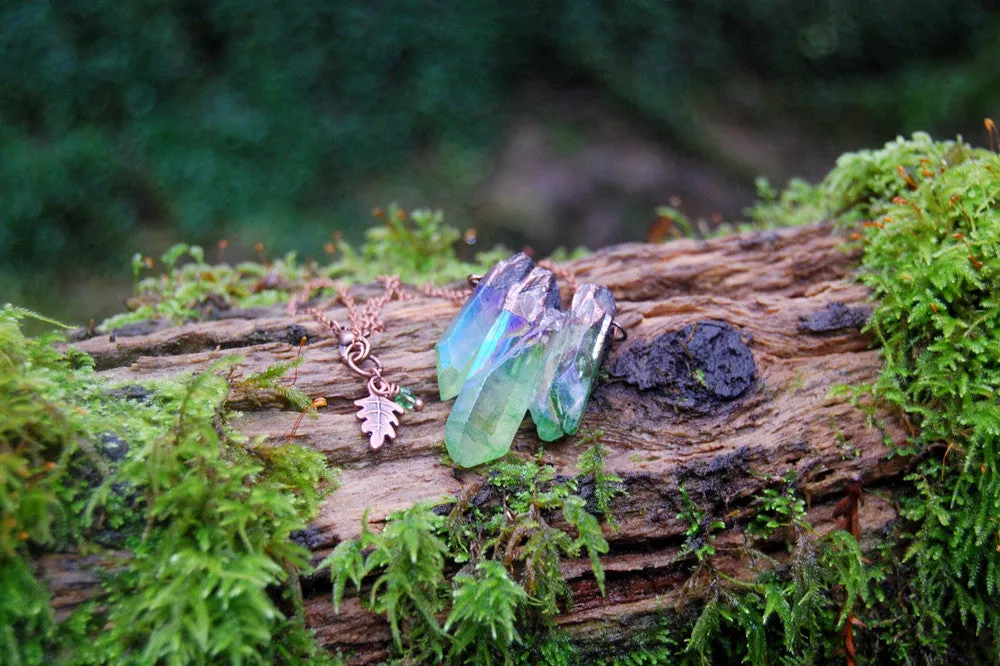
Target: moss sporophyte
{"points": [[202, 516]]}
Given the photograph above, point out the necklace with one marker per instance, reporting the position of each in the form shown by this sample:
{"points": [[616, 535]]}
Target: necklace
{"points": [[590, 320], [379, 410]]}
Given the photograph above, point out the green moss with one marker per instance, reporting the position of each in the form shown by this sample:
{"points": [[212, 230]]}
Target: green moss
{"points": [[194, 501], [863, 184], [219, 510], [418, 247], [415, 246], [779, 509], [926, 215], [271, 380], [699, 537], [500, 603], [204, 514], [484, 609], [606, 486], [790, 614], [43, 442], [658, 647], [933, 262], [549, 648]]}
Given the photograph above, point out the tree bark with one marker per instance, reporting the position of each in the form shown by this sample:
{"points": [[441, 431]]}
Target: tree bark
{"points": [[722, 386]]}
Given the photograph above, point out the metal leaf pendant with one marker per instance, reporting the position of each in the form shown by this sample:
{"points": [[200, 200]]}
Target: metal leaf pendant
{"points": [[378, 416]]}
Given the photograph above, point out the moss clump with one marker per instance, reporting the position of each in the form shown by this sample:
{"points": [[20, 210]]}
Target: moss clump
{"points": [[791, 613], [203, 514], [927, 216], [482, 582], [863, 184], [508, 586], [44, 445], [218, 519]]}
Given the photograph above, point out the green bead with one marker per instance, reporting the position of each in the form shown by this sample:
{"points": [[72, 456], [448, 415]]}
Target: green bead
{"points": [[406, 398]]}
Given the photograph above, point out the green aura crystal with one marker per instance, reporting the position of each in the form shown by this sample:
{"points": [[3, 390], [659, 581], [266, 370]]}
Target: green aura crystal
{"points": [[571, 363], [460, 342], [503, 378]]}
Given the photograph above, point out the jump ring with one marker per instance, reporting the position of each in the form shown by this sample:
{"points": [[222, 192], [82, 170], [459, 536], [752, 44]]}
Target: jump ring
{"points": [[358, 349], [365, 372], [379, 386], [356, 353], [618, 329]]}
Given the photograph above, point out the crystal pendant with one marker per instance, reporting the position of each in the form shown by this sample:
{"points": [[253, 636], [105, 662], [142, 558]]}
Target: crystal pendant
{"points": [[503, 377], [571, 363], [460, 342]]}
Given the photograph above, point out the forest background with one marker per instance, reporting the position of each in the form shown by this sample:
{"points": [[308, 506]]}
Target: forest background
{"points": [[256, 127]]}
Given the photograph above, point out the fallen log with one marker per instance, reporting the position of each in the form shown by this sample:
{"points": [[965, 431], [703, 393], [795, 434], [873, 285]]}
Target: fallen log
{"points": [[723, 386]]}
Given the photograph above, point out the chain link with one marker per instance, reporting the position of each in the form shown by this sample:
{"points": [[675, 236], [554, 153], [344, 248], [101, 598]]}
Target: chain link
{"points": [[456, 296]]}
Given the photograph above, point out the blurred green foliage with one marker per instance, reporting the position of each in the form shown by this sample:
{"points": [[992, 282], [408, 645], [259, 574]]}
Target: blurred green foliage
{"points": [[207, 119]]}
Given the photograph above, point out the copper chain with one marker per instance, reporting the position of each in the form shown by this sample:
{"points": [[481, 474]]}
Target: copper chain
{"points": [[378, 410], [368, 319], [456, 296], [355, 348]]}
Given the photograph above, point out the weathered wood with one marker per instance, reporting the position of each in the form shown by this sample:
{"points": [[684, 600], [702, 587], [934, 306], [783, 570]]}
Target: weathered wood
{"points": [[786, 296]]}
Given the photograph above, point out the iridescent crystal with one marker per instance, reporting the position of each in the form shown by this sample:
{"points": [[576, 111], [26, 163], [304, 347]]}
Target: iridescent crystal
{"points": [[572, 360], [461, 340], [503, 377]]}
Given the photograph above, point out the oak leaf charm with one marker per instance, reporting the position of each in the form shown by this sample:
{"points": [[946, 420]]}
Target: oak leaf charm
{"points": [[378, 416]]}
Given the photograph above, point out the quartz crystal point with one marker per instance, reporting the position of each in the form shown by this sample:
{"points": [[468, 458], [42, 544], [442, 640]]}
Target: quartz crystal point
{"points": [[503, 377], [461, 340], [571, 362]]}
